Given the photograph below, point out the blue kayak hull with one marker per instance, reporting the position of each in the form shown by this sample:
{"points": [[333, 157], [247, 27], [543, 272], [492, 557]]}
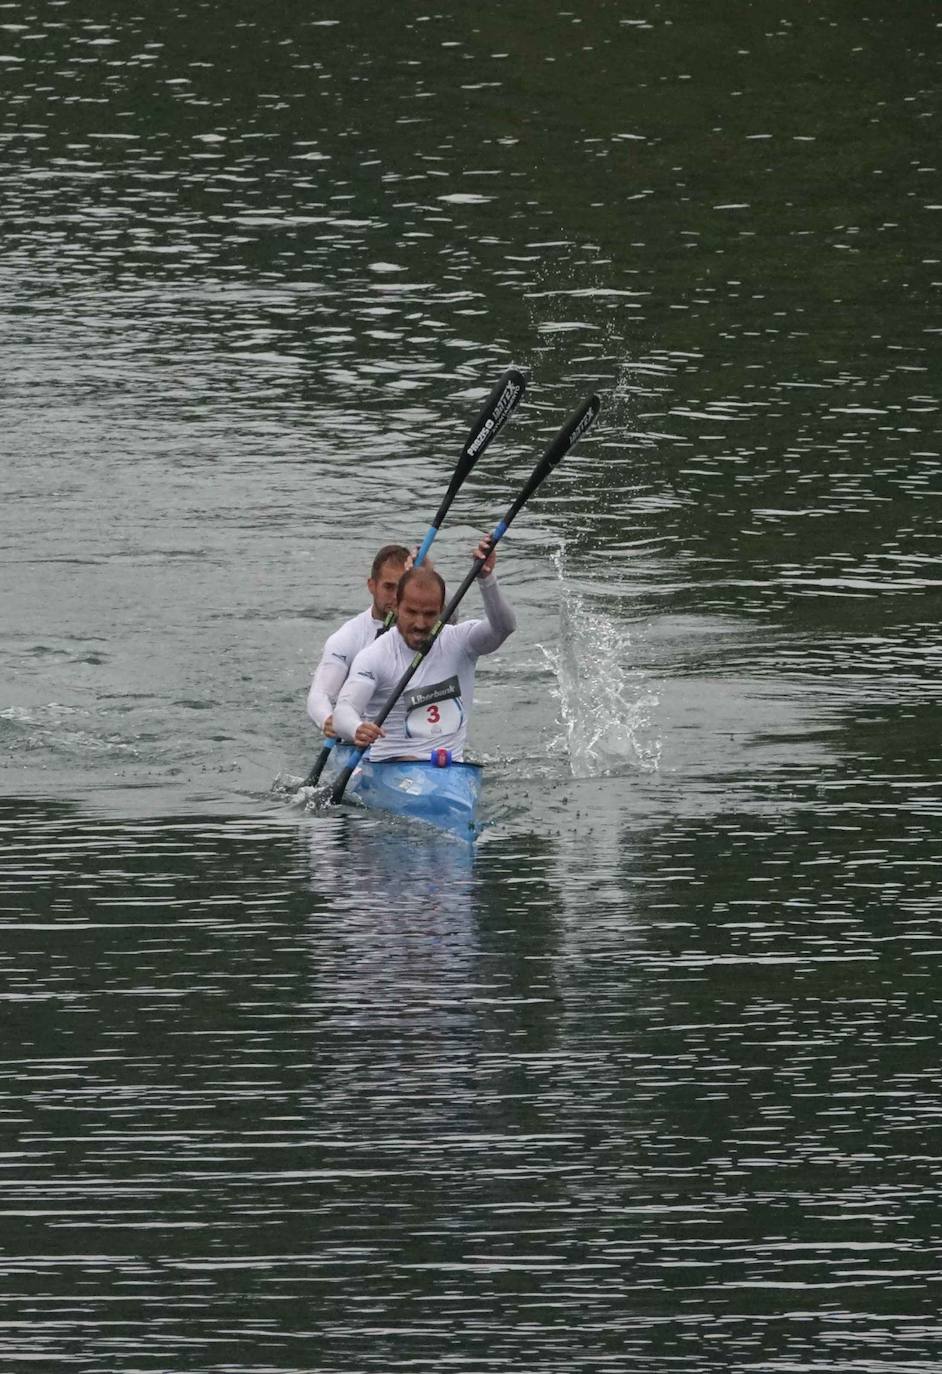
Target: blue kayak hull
{"points": [[445, 798]]}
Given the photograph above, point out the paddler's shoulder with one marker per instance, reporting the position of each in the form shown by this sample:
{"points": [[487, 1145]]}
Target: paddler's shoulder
{"points": [[377, 651], [456, 636], [354, 628]]}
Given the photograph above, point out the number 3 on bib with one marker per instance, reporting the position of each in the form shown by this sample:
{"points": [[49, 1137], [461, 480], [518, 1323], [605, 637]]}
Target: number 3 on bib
{"points": [[433, 718], [434, 710]]}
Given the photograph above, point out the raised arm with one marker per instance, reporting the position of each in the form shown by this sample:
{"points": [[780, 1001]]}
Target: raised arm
{"points": [[490, 633]]}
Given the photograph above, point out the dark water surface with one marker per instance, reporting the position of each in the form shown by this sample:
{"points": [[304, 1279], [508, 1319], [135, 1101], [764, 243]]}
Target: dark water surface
{"points": [[652, 1080]]}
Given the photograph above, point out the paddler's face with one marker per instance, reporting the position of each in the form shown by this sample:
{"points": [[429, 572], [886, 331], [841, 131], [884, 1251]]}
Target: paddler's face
{"points": [[383, 588], [418, 611]]}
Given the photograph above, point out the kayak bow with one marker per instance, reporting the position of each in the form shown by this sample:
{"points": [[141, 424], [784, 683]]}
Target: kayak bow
{"points": [[415, 789]]}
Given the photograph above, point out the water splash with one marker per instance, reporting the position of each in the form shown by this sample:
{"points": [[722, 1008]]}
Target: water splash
{"points": [[607, 706]]}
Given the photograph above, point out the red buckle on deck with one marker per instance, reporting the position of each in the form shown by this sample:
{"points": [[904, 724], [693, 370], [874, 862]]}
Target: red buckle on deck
{"points": [[441, 758]]}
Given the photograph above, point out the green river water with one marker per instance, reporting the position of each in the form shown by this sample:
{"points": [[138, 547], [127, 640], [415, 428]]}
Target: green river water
{"points": [[650, 1080]]}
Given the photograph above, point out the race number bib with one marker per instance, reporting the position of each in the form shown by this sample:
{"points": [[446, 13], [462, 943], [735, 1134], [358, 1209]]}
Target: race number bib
{"points": [[433, 710]]}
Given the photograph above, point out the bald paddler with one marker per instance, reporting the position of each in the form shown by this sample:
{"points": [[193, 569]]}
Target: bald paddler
{"points": [[433, 711], [344, 644]]}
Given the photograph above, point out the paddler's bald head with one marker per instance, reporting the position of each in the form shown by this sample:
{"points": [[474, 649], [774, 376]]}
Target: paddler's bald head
{"points": [[424, 581]]}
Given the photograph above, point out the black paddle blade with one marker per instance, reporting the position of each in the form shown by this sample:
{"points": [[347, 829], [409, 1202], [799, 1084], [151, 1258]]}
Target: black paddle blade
{"points": [[495, 413], [340, 786], [319, 765], [578, 424]]}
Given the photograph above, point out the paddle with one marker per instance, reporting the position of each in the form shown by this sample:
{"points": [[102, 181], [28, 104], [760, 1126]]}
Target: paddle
{"points": [[494, 414], [571, 432]]}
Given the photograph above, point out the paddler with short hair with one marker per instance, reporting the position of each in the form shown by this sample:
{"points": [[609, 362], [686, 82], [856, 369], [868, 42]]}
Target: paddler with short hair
{"points": [[433, 711], [344, 644]]}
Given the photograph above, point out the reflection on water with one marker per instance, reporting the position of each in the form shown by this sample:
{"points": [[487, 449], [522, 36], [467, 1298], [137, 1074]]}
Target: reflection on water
{"points": [[395, 943], [672, 1087]]}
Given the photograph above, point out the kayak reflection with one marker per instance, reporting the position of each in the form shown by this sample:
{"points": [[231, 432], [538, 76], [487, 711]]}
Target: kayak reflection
{"points": [[394, 933]]}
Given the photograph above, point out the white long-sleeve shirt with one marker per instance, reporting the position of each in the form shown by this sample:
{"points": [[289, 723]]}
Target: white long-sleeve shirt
{"points": [[340, 650], [433, 711]]}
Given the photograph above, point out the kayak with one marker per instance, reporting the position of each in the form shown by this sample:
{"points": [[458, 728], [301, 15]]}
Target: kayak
{"points": [[416, 789]]}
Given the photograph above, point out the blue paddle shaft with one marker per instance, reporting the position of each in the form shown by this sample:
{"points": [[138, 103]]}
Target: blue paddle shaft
{"points": [[425, 546]]}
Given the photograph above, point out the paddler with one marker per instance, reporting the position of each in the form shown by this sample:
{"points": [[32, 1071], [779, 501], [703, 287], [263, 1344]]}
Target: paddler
{"points": [[344, 644], [432, 713]]}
